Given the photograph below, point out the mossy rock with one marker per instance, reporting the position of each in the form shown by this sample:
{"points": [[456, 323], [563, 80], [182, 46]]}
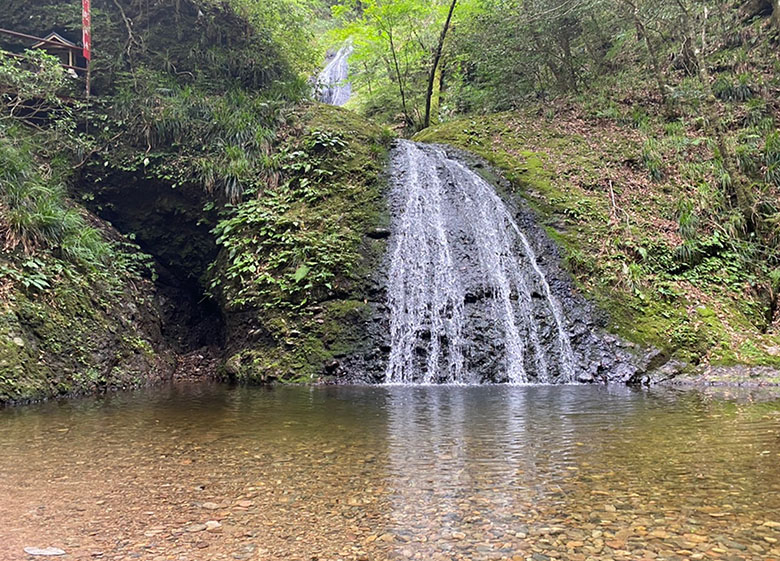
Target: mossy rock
{"points": [[618, 233], [306, 331]]}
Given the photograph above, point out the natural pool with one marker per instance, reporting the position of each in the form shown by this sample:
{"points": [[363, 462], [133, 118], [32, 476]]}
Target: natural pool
{"points": [[207, 472]]}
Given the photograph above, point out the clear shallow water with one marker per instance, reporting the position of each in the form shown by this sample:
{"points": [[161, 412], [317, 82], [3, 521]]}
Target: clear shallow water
{"points": [[379, 473]]}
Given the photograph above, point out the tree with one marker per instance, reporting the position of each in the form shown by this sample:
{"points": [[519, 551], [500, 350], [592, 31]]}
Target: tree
{"points": [[643, 35], [397, 46], [435, 65]]}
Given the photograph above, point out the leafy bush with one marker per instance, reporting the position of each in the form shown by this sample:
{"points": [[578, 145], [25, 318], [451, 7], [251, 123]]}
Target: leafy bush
{"points": [[182, 134], [756, 112], [740, 90], [651, 157], [30, 84], [289, 244], [35, 210], [747, 153]]}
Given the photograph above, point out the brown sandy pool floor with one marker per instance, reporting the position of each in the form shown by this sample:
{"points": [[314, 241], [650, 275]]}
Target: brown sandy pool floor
{"points": [[210, 472]]}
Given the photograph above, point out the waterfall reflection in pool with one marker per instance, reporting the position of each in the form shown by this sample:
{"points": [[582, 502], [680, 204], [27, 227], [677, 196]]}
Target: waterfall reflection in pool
{"points": [[490, 472]]}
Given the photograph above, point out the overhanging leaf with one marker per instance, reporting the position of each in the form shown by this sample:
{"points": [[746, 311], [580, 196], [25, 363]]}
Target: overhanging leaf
{"points": [[301, 272]]}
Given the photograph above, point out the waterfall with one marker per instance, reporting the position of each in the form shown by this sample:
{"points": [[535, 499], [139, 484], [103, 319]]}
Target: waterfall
{"points": [[465, 285], [331, 82]]}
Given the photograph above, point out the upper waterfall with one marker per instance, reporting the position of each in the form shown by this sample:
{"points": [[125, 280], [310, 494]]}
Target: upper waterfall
{"points": [[331, 82], [465, 284]]}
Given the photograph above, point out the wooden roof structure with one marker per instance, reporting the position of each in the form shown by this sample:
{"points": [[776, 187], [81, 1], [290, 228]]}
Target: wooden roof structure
{"points": [[56, 44], [53, 43], [53, 39]]}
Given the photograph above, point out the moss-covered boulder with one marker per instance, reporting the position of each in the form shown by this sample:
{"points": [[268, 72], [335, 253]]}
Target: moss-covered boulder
{"points": [[294, 275], [65, 331], [78, 310]]}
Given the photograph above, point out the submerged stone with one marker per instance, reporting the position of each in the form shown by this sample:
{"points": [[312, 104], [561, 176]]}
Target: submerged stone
{"points": [[44, 552]]}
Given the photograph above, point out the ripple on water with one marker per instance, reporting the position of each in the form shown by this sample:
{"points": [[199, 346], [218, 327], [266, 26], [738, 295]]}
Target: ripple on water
{"points": [[212, 472]]}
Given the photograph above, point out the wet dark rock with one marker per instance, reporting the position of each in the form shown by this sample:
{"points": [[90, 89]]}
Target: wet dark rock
{"points": [[599, 356], [652, 359], [133, 202], [332, 366]]}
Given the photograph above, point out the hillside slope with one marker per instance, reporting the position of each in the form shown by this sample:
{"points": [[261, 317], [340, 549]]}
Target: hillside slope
{"points": [[78, 312], [619, 229]]}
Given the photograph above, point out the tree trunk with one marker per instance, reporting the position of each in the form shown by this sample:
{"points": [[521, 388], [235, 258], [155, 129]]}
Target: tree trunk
{"points": [[653, 54], [776, 13], [367, 73], [568, 62], [436, 96], [435, 65], [177, 16], [409, 120]]}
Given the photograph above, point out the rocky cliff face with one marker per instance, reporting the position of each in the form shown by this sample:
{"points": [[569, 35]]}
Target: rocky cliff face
{"points": [[294, 275], [277, 284], [598, 355], [84, 334]]}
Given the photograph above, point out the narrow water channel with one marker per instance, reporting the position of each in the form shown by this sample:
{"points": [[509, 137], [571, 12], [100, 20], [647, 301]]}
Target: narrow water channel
{"points": [[536, 472]]}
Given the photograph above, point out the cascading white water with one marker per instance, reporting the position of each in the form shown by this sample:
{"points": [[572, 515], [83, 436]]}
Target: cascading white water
{"points": [[332, 84], [461, 264]]}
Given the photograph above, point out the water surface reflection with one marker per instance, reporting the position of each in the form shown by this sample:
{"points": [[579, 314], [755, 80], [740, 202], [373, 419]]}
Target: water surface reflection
{"points": [[394, 473]]}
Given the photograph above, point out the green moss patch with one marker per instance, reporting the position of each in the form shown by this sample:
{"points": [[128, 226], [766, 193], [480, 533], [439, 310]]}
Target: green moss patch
{"points": [[296, 256], [82, 335]]}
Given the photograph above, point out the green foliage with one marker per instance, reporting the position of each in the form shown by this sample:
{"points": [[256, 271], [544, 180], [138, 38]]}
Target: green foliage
{"points": [[65, 290], [29, 86], [623, 57], [294, 255], [757, 113], [289, 244], [290, 25], [182, 134], [179, 100], [652, 160], [30, 274], [746, 154], [394, 42], [35, 210], [45, 237], [740, 90], [128, 258], [213, 44]]}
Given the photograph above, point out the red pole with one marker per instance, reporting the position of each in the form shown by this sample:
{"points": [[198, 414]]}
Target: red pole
{"points": [[86, 25]]}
